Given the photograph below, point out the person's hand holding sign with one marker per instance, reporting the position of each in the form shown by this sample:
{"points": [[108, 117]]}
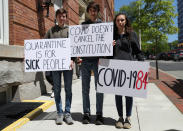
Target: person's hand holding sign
{"points": [[114, 43], [72, 64]]}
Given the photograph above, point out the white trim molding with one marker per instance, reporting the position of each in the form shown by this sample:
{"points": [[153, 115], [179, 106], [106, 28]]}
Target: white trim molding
{"points": [[4, 22]]}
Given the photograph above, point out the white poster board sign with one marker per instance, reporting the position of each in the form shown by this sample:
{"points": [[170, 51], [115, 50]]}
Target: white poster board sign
{"points": [[47, 54], [91, 40], [121, 77]]}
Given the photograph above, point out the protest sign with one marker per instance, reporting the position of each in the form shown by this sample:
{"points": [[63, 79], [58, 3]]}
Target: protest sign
{"points": [[91, 39], [47, 54], [122, 77]]}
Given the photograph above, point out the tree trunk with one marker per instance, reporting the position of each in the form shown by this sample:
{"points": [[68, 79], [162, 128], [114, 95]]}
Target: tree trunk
{"points": [[157, 73]]}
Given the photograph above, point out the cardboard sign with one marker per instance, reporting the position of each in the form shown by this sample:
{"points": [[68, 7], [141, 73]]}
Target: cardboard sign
{"points": [[47, 54], [91, 40], [121, 77]]}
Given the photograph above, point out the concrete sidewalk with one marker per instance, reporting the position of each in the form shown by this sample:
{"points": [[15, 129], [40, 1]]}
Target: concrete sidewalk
{"points": [[156, 113], [171, 86]]}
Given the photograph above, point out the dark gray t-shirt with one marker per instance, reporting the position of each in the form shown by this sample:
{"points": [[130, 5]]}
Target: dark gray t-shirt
{"points": [[57, 32]]}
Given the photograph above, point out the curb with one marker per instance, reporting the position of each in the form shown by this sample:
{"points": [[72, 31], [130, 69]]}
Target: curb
{"points": [[30, 116]]}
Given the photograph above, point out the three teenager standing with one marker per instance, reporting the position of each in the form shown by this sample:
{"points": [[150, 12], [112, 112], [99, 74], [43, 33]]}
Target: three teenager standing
{"points": [[125, 47]]}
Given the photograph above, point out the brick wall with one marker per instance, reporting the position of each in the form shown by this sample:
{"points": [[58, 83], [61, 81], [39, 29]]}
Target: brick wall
{"points": [[110, 9], [109, 5], [26, 22], [72, 6]]}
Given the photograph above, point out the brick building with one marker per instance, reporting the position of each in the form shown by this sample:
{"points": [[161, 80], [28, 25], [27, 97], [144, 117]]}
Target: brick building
{"points": [[106, 10], [27, 19]]}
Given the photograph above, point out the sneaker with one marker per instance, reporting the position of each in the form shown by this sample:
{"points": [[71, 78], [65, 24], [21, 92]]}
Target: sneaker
{"points": [[119, 123], [52, 94], [86, 119], [68, 119], [59, 119], [99, 120], [127, 124]]}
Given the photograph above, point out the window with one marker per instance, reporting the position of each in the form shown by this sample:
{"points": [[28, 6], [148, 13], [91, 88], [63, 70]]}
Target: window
{"points": [[57, 4], [4, 22]]}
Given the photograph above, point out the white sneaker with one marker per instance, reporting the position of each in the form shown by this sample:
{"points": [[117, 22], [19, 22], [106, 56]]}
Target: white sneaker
{"points": [[59, 119], [52, 94], [68, 119], [127, 123], [119, 123]]}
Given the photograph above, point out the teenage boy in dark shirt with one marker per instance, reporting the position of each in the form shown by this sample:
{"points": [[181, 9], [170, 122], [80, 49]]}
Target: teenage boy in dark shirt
{"points": [[89, 64]]}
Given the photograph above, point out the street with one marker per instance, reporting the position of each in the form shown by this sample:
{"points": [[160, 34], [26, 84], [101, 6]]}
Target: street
{"points": [[171, 67]]}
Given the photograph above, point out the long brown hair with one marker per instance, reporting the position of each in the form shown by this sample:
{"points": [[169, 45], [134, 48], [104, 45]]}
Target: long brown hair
{"points": [[128, 27]]}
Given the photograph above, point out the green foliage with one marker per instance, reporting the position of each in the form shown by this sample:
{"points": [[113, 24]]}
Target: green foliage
{"points": [[155, 20], [163, 46], [116, 12], [131, 11], [174, 43]]}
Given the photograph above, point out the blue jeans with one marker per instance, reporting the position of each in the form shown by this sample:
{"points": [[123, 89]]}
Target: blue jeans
{"points": [[119, 105], [86, 69], [57, 90]]}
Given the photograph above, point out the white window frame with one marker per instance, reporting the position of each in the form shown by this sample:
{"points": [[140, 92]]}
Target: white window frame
{"points": [[57, 4], [1, 22], [4, 22]]}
